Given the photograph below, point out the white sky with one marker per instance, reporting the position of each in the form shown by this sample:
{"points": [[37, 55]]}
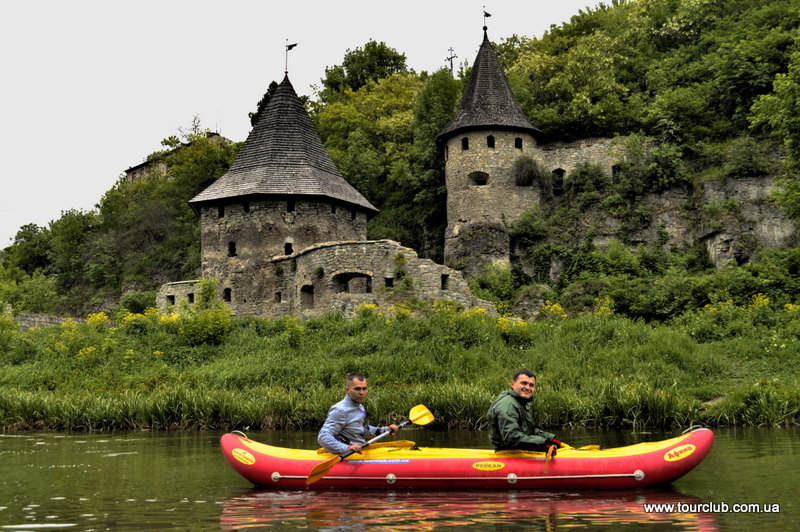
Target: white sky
{"points": [[90, 87]]}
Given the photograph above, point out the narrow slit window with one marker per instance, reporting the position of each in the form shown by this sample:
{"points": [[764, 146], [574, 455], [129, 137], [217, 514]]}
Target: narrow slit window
{"points": [[465, 143], [190, 297], [227, 295], [490, 141], [518, 143], [290, 206], [221, 211], [231, 249], [288, 248]]}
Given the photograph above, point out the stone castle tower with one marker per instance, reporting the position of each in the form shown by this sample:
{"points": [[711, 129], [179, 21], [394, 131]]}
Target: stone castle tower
{"points": [[284, 233], [282, 194], [482, 142]]}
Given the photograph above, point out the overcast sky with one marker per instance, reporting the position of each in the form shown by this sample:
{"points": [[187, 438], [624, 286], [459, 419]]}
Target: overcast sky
{"points": [[90, 87]]}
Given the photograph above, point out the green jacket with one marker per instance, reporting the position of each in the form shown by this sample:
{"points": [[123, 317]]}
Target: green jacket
{"points": [[511, 424]]}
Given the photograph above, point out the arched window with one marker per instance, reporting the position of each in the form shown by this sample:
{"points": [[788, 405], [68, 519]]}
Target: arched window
{"points": [[518, 143], [288, 248], [231, 249], [490, 141], [353, 283], [226, 295], [558, 181], [478, 178], [465, 143]]}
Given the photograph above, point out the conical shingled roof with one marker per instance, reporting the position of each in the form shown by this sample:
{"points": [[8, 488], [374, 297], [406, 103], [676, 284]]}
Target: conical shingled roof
{"points": [[487, 102], [284, 155]]}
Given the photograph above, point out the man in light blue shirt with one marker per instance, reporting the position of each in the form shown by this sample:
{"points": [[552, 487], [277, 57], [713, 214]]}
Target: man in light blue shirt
{"points": [[346, 426]]}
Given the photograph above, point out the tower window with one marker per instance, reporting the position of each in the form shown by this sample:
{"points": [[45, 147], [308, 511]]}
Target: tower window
{"points": [[333, 208], [465, 143], [490, 141], [278, 297], [290, 206], [171, 299], [226, 295], [353, 214], [478, 178], [221, 211], [558, 181], [445, 281], [246, 206], [190, 297], [518, 143], [288, 248], [231, 249]]}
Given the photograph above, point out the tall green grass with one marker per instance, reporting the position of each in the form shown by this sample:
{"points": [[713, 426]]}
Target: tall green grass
{"points": [[150, 371]]}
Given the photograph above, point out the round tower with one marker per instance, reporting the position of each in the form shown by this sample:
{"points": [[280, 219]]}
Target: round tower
{"points": [[482, 141], [282, 194]]}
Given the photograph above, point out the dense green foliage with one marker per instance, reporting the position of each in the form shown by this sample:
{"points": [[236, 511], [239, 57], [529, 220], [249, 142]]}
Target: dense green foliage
{"points": [[722, 364]]}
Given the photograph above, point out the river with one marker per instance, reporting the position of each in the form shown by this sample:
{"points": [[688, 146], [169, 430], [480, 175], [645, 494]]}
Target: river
{"points": [[180, 481]]}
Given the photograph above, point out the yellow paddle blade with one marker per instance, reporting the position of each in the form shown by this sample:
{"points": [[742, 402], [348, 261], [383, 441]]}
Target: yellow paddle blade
{"points": [[420, 415], [320, 469]]}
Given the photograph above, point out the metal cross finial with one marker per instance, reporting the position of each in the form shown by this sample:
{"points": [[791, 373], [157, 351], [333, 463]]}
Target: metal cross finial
{"points": [[450, 58]]}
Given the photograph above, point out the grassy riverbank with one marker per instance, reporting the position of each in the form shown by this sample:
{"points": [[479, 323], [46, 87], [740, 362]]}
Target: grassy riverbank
{"points": [[723, 364]]}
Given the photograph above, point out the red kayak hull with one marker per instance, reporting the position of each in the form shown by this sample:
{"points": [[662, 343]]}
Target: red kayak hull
{"points": [[402, 465]]}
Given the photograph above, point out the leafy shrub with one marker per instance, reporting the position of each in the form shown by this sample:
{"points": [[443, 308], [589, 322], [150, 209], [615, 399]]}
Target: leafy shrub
{"points": [[526, 170]]}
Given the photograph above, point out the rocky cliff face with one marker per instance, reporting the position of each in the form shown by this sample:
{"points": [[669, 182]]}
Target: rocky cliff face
{"points": [[732, 218]]}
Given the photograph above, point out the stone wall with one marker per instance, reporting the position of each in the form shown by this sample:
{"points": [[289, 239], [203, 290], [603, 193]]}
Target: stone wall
{"points": [[567, 156], [342, 275], [338, 276], [31, 321]]}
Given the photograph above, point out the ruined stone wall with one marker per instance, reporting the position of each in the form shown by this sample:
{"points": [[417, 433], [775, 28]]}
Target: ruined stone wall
{"points": [[171, 294], [342, 275], [338, 276], [567, 156], [27, 321]]}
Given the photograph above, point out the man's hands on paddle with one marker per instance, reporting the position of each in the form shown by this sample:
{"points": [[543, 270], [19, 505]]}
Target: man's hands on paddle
{"points": [[356, 448]]}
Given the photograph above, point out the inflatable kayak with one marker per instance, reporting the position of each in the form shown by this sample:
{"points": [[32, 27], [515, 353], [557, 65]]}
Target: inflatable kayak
{"points": [[402, 465]]}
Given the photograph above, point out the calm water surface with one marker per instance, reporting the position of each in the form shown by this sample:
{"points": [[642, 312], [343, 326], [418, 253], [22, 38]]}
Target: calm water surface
{"points": [[179, 481]]}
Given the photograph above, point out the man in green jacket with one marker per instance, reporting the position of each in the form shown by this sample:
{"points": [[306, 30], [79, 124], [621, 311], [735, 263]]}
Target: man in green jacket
{"points": [[511, 420]]}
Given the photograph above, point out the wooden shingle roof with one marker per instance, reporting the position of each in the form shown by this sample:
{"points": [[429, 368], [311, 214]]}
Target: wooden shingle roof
{"points": [[283, 155], [487, 102]]}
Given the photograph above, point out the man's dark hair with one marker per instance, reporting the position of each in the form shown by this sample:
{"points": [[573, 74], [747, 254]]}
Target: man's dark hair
{"points": [[523, 371], [355, 376]]}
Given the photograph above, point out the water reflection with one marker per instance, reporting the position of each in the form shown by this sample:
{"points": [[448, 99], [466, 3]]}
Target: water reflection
{"points": [[423, 510]]}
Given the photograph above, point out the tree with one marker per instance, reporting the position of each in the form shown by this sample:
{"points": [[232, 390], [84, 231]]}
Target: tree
{"points": [[262, 104], [30, 250], [373, 62]]}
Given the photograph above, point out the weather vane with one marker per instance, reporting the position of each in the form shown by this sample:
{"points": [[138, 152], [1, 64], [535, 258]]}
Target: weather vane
{"points": [[288, 47], [485, 16]]}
